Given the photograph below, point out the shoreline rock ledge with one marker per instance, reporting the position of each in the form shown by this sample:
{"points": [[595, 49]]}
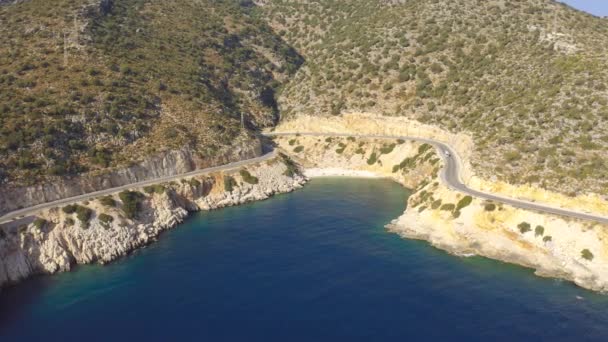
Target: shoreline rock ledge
{"points": [[59, 239]]}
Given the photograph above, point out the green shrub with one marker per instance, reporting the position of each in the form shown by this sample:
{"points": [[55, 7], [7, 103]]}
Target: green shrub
{"points": [[69, 221], [436, 204], [512, 156], [351, 139], [248, 178], [154, 189], [194, 182], [229, 183], [105, 218], [83, 214], [130, 202], [421, 209], [456, 213], [292, 142], [290, 165], [341, 148], [424, 147], [387, 149], [69, 209], [547, 238], [489, 207], [298, 149], [524, 227], [464, 202], [539, 231], [39, 223], [373, 158], [586, 254], [108, 201], [448, 207]]}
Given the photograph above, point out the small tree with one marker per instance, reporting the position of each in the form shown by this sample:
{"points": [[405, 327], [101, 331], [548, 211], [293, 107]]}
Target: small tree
{"points": [[490, 207], [83, 214], [524, 227], [448, 207], [586, 254], [464, 202], [130, 202], [539, 231], [373, 158]]}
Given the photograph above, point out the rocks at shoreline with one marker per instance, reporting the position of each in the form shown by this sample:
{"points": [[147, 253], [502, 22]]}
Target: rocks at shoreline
{"points": [[56, 240]]}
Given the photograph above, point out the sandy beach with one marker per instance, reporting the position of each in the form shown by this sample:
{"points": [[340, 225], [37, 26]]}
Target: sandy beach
{"points": [[326, 172]]}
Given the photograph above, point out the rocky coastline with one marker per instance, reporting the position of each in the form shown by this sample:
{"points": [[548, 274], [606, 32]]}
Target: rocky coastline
{"points": [[552, 245], [63, 237]]}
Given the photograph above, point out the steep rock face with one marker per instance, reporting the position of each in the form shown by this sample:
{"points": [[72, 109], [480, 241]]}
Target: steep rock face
{"points": [[62, 240], [375, 124], [165, 164], [551, 245], [404, 161]]}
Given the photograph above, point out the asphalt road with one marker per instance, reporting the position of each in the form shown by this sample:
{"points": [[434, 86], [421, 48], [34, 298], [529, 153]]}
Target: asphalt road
{"points": [[21, 213], [450, 175]]}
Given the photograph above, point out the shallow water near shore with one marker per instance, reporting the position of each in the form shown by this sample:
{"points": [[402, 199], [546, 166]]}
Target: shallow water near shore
{"points": [[313, 265]]}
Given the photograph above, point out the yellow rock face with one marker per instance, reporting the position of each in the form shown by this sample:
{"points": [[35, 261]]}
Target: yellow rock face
{"points": [[552, 245], [365, 123]]}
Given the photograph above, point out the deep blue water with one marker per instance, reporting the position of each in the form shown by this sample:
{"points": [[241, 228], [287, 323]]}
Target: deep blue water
{"points": [[314, 265]]}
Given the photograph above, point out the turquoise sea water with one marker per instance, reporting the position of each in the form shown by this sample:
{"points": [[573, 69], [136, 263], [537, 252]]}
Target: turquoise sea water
{"points": [[313, 265]]}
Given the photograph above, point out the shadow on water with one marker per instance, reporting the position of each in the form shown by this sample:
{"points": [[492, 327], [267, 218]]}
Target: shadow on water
{"points": [[17, 299]]}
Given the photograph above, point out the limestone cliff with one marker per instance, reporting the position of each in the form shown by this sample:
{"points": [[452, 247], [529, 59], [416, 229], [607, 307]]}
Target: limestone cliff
{"points": [[375, 124], [102, 230], [164, 164], [552, 245]]}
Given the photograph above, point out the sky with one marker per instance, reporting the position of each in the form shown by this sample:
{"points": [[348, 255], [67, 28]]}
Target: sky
{"points": [[596, 7]]}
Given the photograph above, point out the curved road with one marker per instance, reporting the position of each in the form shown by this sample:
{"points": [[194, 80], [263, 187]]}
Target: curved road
{"points": [[450, 175]]}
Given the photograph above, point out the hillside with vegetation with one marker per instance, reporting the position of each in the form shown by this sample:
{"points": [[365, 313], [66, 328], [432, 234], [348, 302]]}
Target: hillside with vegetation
{"points": [[527, 79], [94, 85]]}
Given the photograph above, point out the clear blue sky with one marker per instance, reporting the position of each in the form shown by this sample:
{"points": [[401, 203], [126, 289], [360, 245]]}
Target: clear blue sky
{"points": [[596, 7]]}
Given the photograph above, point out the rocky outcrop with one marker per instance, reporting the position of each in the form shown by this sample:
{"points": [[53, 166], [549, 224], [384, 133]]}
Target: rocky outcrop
{"points": [[165, 164], [551, 245], [57, 240]]}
